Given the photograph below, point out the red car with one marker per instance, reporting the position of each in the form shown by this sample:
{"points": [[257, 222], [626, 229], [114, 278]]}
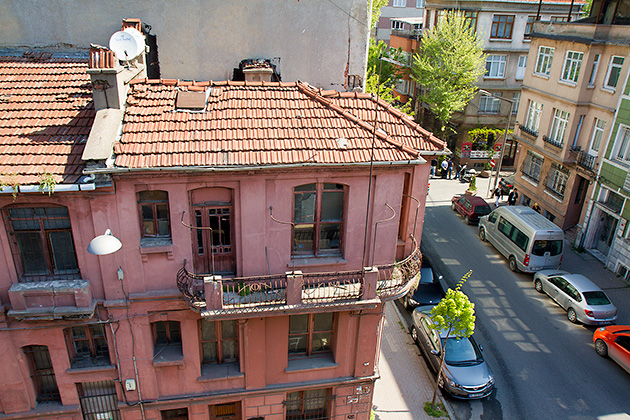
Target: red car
{"points": [[470, 207], [614, 342]]}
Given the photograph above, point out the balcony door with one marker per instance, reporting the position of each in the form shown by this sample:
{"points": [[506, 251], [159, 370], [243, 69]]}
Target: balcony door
{"points": [[213, 215]]}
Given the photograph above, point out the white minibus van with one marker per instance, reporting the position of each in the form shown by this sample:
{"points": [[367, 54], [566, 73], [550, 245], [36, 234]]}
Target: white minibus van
{"points": [[528, 240]]}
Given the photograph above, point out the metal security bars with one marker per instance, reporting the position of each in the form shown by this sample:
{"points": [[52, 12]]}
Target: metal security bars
{"points": [[98, 400], [42, 373]]}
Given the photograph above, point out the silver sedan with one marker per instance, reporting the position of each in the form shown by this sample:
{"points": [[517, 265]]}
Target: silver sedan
{"points": [[583, 300]]}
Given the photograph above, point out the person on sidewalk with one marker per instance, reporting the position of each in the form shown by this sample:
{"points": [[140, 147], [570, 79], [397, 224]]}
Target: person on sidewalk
{"points": [[512, 197], [536, 208], [450, 169], [444, 168], [433, 166], [498, 195]]}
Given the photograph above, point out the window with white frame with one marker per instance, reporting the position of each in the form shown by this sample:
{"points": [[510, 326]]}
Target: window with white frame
{"points": [[598, 133], [397, 25], [516, 99], [520, 69], [621, 151], [419, 4], [572, 63], [559, 126], [489, 104], [614, 70], [533, 115], [557, 181], [544, 60], [495, 66], [591, 80], [532, 165], [399, 3], [402, 86]]}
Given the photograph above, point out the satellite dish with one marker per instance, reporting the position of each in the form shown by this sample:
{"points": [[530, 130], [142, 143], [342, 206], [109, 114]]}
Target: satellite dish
{"points": [[127, 44]]}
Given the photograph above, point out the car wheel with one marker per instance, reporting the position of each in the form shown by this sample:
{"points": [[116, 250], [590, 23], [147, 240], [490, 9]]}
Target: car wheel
{"points": [[512, 264], [482, 234], [414, 334], [572, 316], [467, 220], [538, 286], [453, 206], [601, 348]]}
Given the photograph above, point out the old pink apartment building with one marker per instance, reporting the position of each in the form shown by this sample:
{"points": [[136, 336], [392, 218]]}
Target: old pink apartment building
{"points": [[246, 237]]}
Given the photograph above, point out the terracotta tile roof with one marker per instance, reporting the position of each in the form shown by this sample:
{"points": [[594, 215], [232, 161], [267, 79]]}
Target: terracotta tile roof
{"points": [[257, 123], [46, 113]]}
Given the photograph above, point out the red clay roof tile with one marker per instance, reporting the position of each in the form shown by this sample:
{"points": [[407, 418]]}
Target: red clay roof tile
{"points": [[262, 124], [46, 114]]}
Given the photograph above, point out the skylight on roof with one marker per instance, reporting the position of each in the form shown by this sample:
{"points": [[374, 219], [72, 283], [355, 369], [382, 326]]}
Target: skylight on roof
{"points": [[194, 101]]}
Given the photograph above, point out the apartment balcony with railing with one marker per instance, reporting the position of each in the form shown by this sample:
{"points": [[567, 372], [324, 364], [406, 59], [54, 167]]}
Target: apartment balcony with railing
{"points": [[296, 291], [586, 161]]}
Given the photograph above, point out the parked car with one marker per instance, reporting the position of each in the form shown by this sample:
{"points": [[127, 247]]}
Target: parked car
{"points": [[429, 290], [507, 184], [465, 373], [470, 207], [614, 342], [583, 300]]}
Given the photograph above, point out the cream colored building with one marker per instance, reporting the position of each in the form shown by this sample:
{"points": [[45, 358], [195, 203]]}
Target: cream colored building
{"points": [[570, 93]]}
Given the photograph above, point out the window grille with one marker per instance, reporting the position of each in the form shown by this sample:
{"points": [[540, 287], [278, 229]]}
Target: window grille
{"points": [[42, 373], [98, 400], [311, 404]]}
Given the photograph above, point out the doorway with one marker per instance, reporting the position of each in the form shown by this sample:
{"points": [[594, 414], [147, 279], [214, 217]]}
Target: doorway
{"points": [[605, 233]]}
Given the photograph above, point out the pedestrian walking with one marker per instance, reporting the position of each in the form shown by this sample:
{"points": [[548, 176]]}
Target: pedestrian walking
{"points": [[433, 166], [450, 169], [498, 195], [536, 208], [512, 197], [444, 168], [462, 172]]}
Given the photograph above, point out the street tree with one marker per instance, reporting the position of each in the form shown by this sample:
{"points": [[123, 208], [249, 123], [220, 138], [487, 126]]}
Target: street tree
{"points": [[382, 62], [447, 65], [455, 314], [376, 11]]}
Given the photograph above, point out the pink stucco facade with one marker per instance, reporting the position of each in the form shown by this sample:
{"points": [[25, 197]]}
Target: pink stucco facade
{"points": [[261, 246]]}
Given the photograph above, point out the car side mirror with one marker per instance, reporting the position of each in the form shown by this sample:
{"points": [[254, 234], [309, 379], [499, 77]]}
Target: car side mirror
{"points": [[435, 352], [480, 347], [440, 277]]}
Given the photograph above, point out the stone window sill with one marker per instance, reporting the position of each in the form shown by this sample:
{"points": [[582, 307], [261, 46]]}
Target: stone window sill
{"points": [[91, 369], [315, 261], [168, 356], [217, 372], [311, 363]]}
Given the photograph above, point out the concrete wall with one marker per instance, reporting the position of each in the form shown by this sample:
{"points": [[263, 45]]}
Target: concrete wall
{"points": [[318, 42]]}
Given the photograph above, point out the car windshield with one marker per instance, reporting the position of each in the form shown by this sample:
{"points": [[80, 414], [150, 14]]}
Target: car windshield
{"points": [[461, 352], [596, 298], [552, 247], [482, 210]]}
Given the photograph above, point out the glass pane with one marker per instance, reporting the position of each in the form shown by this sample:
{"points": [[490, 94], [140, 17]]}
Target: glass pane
{"points": [[173, 327], [321, 341], [81, 347], [329, 236], [162, 211], [199, 233], [228, 330], [31, 252], [229, 350], [323, 322], [298, 324], [78, 332], [332, 206], [225, 228], [306, 187], [298, 343], [144, 196], [163, 228], [303, 236], [304, 211], [208, 331], [160, 333], [147, 212], [62, 249], [209, 352]]}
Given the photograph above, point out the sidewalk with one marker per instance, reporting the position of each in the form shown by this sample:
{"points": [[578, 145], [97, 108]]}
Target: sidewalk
{"points": [[405, 382]]}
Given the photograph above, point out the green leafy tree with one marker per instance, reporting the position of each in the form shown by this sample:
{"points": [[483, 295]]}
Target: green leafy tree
{"points": [[447, 65], [380, 57], [455, 314], [376, 11], [385, 93]]}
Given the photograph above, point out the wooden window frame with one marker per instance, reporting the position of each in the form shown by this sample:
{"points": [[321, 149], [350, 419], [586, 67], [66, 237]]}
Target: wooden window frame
{"points": [[90, 337], [218, 342], [317, 223], [507, 21], [170, 341], [153, 204], [309, 333]]}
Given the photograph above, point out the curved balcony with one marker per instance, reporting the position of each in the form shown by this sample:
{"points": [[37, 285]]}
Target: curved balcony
{"points": [[212, 295]]}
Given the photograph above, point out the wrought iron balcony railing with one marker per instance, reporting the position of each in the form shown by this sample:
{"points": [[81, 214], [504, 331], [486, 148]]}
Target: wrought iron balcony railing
{"points": [[264, 293], [586, 161], [527, 130], [553, 142]]}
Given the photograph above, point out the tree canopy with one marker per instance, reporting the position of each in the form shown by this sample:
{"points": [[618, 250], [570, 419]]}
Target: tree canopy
{"points": [[389, 72], [376, 11], [448, 64]]}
